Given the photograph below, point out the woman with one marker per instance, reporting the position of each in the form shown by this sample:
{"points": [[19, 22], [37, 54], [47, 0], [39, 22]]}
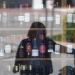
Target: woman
{"points": [[37, 32]]}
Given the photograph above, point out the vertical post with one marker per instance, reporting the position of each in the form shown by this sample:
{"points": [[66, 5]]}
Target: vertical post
{"points": [[50, 8], [63, 3]]}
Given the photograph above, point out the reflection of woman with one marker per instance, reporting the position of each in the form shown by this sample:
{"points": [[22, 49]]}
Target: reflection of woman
{"points": [[39, 32]]}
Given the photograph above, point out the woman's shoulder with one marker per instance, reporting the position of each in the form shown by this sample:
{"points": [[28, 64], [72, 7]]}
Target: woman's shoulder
{"points": [[24, 40], [50, 39]]}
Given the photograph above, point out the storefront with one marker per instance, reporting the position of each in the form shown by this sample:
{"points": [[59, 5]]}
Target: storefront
{"points": [[37, 37]]}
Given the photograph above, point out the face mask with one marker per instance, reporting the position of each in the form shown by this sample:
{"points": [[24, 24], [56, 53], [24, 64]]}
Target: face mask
{"points": [[39, 34]]}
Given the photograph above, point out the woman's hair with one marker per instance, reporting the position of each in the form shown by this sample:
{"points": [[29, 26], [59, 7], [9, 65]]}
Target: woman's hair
{"points": [[36, 26]]}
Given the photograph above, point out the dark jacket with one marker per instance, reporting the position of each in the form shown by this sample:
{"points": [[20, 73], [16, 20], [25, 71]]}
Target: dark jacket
{"points": [[40, 63]]}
